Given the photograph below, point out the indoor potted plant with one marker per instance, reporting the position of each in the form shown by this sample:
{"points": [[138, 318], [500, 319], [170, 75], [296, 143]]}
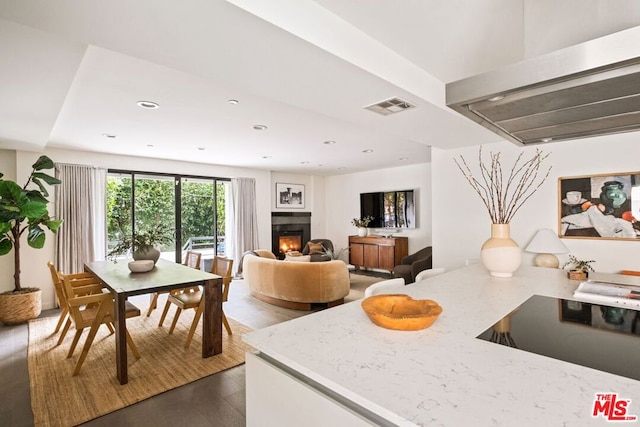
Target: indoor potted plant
{"points": [[24, 209], [143, 245], [333, 254], [362, 223], [579, 268]]}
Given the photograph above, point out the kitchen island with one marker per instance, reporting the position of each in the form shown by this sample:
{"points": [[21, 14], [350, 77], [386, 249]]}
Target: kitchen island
{"points": [[336, 367]]}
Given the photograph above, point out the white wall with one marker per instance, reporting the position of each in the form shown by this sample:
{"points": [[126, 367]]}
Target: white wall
{"points": [[314, 196], [461, 223], [8, 169], [343, 201]]}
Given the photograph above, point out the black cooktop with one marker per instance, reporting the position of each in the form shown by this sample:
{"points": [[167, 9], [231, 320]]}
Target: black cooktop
{"points": [[597, 336]]}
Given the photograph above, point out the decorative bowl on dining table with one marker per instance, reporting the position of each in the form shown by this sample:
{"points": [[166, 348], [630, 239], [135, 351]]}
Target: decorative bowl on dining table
{"points": [[401, 312], [141, 266]]}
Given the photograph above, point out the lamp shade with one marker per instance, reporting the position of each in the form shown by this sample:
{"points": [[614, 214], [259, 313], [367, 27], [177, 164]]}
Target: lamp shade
{"points": [[546, 242]]}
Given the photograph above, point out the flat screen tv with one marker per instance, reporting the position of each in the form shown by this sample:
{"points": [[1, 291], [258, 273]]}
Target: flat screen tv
{"points": [[389, 209]]}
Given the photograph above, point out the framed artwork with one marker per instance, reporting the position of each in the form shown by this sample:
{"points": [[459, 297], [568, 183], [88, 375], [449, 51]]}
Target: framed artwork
{"points": [[603, 206], [289, 195]]}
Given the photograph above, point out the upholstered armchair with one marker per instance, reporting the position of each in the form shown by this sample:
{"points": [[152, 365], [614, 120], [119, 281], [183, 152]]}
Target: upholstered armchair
{"points": [[413, 264], [316, 249]]}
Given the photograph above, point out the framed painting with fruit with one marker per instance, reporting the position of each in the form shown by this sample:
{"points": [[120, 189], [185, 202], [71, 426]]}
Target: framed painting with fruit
{"points": [[605, 206]]}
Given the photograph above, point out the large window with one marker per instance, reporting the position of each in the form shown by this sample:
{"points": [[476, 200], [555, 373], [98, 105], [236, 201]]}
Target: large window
{"points": [[191, 211]]}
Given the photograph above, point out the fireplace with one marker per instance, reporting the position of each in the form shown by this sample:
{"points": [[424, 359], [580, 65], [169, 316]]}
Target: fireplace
{"points": [[290, 242], [290, 229]]}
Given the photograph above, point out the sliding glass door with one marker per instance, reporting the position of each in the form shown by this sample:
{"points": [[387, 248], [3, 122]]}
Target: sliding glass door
{"points": [[189, 210], [154, 207]]}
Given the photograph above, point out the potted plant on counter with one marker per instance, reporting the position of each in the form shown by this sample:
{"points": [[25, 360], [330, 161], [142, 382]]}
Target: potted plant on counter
{"points": [[579, 268], [24, 210], [143, 245]]}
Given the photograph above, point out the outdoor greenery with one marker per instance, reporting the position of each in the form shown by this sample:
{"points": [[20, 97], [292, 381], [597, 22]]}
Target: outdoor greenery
{"points": [[155, 209]]}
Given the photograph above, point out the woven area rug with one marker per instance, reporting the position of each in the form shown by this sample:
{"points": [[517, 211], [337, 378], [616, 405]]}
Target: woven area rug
{"points": [[58, 399]]}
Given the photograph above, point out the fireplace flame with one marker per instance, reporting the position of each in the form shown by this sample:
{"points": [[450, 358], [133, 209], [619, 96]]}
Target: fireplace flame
{"points": [[290, 243]]}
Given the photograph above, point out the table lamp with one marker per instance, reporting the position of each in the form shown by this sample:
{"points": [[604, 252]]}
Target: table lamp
{"points": [[546, 243]]}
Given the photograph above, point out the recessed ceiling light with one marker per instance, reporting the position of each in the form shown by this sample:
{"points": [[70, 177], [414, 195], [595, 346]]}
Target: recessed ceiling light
{"points": [[149, 145], [546, 139], [368, 150], [259, 127], [233, 101], [109, 135], [148, 104], [266, 157], [201, 148], [329, 142], [496, 98], [403, 159], [304, 163]]}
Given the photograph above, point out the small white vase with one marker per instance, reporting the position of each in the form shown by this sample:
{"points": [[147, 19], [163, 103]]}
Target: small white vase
{"points": [[501, 255], [363, 231]]}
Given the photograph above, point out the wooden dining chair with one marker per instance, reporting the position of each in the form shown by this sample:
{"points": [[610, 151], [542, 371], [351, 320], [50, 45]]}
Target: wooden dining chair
{"points": [[57, 279], [191, 259], [90, 307], [193, 298]]}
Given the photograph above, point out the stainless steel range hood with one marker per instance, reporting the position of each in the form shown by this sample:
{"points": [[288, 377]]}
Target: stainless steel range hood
{"points": [[588, 89]]}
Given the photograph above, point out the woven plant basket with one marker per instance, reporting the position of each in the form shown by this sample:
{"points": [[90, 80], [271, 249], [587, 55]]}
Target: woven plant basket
{"points": [[19, 308]]}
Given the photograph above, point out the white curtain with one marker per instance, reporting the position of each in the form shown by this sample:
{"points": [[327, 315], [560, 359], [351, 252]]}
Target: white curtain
{"points": [[243, 219], [81, 203]]}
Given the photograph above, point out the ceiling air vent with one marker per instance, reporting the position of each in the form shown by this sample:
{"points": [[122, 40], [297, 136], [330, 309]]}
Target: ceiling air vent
{"points": [[389, 106]]}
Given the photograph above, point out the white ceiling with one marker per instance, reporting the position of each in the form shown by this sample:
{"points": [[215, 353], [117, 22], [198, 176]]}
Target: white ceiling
{"points": [[73, 70]]}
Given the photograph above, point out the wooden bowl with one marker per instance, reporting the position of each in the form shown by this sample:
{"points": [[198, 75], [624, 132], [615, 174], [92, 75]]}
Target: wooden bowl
{"points": [[401, 312]]}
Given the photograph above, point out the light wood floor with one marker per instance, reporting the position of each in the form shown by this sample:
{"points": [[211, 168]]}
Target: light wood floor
{"points": [[217, 400]]}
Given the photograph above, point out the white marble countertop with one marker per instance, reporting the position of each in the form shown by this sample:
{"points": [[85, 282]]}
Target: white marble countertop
{"points": [[443, 375]]}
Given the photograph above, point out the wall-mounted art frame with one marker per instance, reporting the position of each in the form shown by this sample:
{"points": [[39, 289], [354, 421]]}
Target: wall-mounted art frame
{"points": [[605, 206], [289, 196]]}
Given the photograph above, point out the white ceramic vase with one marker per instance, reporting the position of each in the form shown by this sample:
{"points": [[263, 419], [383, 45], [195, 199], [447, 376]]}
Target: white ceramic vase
{"points": [[501, 255], [149, 253], [363, 231]]}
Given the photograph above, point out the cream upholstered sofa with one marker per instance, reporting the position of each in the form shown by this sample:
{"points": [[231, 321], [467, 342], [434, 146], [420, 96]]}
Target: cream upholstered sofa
{"points": [[293, 284]]}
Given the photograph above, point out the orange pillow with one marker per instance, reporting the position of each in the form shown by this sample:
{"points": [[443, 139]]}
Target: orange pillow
{"points": [[315, 248]]}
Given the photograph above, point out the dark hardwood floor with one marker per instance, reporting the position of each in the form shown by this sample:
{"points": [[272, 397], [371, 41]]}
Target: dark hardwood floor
{"points": [[214, 400]]}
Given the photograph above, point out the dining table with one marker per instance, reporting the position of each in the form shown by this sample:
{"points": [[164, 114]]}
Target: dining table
{"points": [[165, 276]]}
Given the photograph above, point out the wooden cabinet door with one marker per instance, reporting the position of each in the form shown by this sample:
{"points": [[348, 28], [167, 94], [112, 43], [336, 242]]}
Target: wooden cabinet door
{"points": [[356, 254], [371, 257], [386, 257]]}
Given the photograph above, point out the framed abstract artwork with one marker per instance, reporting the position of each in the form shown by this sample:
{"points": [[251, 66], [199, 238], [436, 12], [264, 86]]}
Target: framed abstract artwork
{"points": [[605, 206], [289, 196]]}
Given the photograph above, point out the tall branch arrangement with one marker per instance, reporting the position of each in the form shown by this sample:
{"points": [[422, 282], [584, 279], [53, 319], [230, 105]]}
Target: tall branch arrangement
{"points": [[503, 197]]}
